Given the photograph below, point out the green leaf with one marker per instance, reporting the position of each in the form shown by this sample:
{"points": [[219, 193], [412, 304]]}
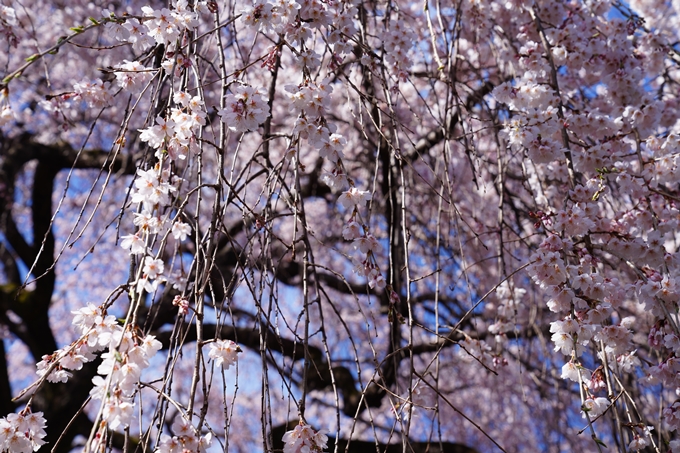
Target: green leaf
{"points": [[93, 20], [78, 29], [599, 442], [32, 58]]}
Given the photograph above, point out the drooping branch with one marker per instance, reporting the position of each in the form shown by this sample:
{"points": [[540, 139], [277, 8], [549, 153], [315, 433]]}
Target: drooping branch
{"points": [[435, 136]]}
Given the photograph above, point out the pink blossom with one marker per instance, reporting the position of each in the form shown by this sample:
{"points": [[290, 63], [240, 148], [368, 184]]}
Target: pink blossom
{"points": [[224, 353], [354, 197]]}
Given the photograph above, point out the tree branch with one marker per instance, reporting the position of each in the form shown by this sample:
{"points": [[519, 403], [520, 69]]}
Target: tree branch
{"points": [[362, 446], [248, 337]]}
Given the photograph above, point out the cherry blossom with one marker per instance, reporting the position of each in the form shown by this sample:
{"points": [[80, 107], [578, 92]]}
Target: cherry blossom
{"points": [[180, 230], [96, 93], [304, 438], [23, 432], [246, 109], [134, 243], [132, 75], [595, 406], [372, 197], [354, 197], [224, 353]]}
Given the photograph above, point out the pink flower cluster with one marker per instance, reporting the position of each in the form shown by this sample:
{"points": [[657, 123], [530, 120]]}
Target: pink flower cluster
{"points": [[97, 331], [304, 439], [311, 101], [22, 432], [161, 26], [128, 355], [176, 136], [153, 190], [224, 353], [246, 109], [186, 439], [120, 372]]}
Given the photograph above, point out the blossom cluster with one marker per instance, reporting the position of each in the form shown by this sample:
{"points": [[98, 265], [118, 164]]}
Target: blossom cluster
{"points": [[246, 109], [510, 303], [311, 100], [579, 148], [186, 438], [132, 75], [128, 355], [296, 21], [22, 432], [224, 353], [477, 350], [397, 43], [96, 93], [120, 372], [173, 138], [153, 190], [8, 20], [362, 239], [304, 439], [161, 26], [98, 331], [176, 136]]}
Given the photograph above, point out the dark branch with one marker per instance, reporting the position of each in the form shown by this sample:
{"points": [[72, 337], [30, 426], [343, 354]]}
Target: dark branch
{"points": [[362, 446], [248, 337]]}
